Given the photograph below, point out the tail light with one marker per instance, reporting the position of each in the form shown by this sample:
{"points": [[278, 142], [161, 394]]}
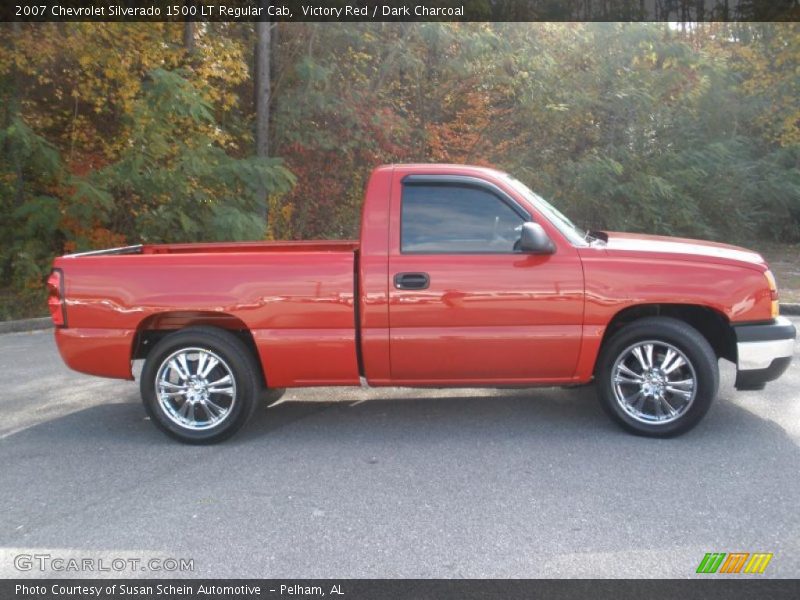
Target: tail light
{"points": [[55, 298]]}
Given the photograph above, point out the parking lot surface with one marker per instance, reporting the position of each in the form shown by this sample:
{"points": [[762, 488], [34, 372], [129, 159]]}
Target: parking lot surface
{"points": [[336, 483]]}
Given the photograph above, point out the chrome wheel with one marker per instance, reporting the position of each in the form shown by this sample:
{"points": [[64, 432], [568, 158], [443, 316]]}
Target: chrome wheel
{"points": [[195, 388], [654, 382]]}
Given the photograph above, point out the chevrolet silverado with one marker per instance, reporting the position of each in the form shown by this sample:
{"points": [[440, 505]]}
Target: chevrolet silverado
{"points": [[462, 276]]}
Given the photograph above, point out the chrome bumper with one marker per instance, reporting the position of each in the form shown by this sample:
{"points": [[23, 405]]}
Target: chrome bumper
{"points": [[759, 355], [764, 352]]}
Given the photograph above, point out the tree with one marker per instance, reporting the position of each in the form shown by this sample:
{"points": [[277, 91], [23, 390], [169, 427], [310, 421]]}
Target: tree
{"points": [[179, 184], [112, 133], [262, 93]]}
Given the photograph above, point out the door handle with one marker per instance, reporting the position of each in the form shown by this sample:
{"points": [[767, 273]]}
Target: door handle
{"points": [[412, 281]]}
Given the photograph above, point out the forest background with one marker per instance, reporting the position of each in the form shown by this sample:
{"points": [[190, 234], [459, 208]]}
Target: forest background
{"points": [[120, 133]]}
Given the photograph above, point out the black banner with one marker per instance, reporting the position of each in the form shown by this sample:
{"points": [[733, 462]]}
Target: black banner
{"points": [[400, 10], [388, 589]]}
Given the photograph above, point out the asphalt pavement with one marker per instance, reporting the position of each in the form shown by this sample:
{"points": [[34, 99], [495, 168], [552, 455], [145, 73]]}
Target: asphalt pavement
{"points": [[347, 483]]}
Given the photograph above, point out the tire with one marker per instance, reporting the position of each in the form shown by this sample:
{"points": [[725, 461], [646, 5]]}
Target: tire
{"points": [[178, 385], [272, 395], [657, 377]]}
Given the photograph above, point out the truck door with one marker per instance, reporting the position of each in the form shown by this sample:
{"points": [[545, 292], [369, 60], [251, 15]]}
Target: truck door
{"points": [[464, 304]]}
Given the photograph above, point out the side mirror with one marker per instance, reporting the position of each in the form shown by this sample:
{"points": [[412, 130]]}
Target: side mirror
{"points": [[534, 240]]}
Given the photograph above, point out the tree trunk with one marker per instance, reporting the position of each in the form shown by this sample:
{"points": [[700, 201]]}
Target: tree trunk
{"points": [[188, 35], [262, 92], [262, 88], [14, 109], [273, 69]]}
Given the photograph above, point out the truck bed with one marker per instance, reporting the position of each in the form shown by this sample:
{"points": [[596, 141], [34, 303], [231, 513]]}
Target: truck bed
{"points": [[296, 300]]}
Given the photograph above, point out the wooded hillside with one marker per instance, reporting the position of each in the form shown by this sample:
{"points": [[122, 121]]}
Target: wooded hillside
{"points": [[112, 134]]}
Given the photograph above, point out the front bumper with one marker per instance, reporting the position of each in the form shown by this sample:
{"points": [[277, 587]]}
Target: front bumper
{"points": [[763, 351]]}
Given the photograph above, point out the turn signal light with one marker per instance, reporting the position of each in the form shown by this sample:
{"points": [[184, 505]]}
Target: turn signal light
{"points": [[775, 309], [55, 298]]}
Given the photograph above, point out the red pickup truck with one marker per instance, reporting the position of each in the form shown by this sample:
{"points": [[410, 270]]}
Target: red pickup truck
{"points": [[462, 277]]}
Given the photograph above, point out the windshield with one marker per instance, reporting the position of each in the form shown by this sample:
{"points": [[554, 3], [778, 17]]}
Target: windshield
{"points": [[555, 216]]}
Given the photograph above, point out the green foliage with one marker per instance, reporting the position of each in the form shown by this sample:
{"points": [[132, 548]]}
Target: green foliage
{"points": [[112, 133], [173, 183], [657, 133], [29, 166]]}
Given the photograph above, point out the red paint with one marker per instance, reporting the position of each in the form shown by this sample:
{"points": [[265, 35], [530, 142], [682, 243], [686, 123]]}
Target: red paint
{"points": [[97, 351], [55, 298], [493, 319]]}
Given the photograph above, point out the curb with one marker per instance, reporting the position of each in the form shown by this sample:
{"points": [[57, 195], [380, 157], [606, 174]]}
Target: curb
{"points": [[792, 308], [25, 325]]}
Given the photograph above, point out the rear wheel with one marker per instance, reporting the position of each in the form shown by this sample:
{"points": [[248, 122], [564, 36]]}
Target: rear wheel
{"points": [[199, 385], [657, 377]]}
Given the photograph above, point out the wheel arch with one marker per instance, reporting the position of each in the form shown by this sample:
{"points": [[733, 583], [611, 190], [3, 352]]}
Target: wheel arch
{"points": [[710, 323], [157, 326]]}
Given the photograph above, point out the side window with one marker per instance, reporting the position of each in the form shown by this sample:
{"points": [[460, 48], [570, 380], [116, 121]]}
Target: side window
{"points": [[456, 218]]}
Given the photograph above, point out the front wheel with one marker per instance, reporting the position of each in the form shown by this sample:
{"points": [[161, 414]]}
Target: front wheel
{"points": [[657, 377], [199, 385]]}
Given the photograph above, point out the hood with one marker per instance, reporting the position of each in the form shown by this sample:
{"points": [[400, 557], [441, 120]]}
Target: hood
{"points": [[681, 249]]}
